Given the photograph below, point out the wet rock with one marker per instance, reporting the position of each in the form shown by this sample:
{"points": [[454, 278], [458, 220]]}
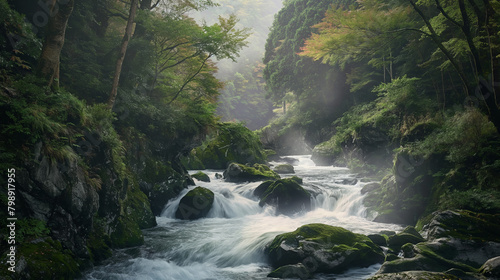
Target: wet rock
{"points": [[347, 181], [378, 239], [370, 187], [261, 189], [411, 275], [195, 204], [491, 268], [286, 195], [323, 248], [200, 176], [463, 225], [284, 169], [293, 271], [408, 235], [241, 173]]}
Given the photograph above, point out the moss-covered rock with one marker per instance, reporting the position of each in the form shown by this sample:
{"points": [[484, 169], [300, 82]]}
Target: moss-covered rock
{"points": [[411, 275], [229, 142], [261, 189], [195, 204], [408, 235], [379, 239], [287, 196], [242, 173], [284, 169], [323, 248], [424, 259], [162, 181], [200, 176], [42, 259], [465, 225]]}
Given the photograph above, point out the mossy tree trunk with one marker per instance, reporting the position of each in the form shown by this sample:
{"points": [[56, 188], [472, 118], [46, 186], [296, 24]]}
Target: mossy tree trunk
{"points": [[48, 63]]}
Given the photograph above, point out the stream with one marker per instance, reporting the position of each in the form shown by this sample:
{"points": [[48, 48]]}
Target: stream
{"points": [[229, 243]]}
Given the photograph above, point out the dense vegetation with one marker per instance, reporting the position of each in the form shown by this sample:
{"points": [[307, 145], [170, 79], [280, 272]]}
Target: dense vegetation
{"points": [[412, 97], [95, 116]]}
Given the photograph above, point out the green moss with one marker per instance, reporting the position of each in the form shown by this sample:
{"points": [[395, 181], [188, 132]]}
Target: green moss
{"points": [[468, 225], [195, 204], [98, 242], [230, 142], [319, 233], [47, 260], [200, 176]]}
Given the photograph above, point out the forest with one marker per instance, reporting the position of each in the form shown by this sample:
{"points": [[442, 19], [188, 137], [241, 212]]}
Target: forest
{"points": [[214, 139]]}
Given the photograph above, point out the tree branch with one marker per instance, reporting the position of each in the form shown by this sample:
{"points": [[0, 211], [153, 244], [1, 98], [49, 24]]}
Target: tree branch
{"points": [[440, 45], [190, 79]]}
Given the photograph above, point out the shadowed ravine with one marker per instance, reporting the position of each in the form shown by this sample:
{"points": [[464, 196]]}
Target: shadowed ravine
{"points": [[229, 243]]}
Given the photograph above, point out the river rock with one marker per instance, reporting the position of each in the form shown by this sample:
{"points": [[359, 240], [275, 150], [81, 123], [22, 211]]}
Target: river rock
{"points": [[284, 169], [463, 225], [347, 181], [491, 268], [287, 196], [408, 235], [322, 248], [241, 173], [378, 239], [195, 204], [370, 187], [294, 271], [200, 176], [261, 189], [411, 275]]}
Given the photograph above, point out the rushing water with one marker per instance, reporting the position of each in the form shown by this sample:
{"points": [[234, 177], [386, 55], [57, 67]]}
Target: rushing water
{"points": [[229, 243]]}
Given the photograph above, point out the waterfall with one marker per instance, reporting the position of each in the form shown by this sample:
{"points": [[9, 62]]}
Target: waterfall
{"points": [[229, 242]]}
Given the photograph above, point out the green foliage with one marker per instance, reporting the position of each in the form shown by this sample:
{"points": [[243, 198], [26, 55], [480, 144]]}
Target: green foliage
{"points": [[476, 200], [230, 142], [462, 136], [19, 47], [29, 229]]}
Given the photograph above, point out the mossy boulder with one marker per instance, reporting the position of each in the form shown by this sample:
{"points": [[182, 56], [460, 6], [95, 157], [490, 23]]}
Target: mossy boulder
{"points": [[423, 257], [200, 176], [262, 188], [284, 169], [378, 239], [408, 235], [323, 248], [465, 225], [287, 196], [242, 173], [411, 275], [161, 182], [195, 204]]}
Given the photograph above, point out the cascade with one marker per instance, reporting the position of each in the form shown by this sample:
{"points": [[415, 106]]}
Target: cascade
{"points": [[229, 242]]}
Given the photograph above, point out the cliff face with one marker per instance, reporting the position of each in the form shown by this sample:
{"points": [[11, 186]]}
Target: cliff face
{"points": [[80, 191]]}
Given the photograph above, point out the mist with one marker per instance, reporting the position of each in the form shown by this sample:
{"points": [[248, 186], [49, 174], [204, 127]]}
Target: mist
{"points": [[243, 98]]}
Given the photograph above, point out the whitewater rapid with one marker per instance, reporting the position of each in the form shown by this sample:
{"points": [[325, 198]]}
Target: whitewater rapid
{"points": [[229, 243]]}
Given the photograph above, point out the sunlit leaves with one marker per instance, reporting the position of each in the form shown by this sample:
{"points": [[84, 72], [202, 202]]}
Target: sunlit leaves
{"points": [[348, 36]]}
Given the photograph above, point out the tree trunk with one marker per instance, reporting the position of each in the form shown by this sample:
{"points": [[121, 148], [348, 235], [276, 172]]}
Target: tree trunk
{"points": [[123, 51], [48, 63]]}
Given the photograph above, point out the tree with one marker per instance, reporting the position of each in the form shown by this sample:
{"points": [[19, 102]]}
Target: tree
{"points": [[182, 49], [123, 51], [48, 63]]}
